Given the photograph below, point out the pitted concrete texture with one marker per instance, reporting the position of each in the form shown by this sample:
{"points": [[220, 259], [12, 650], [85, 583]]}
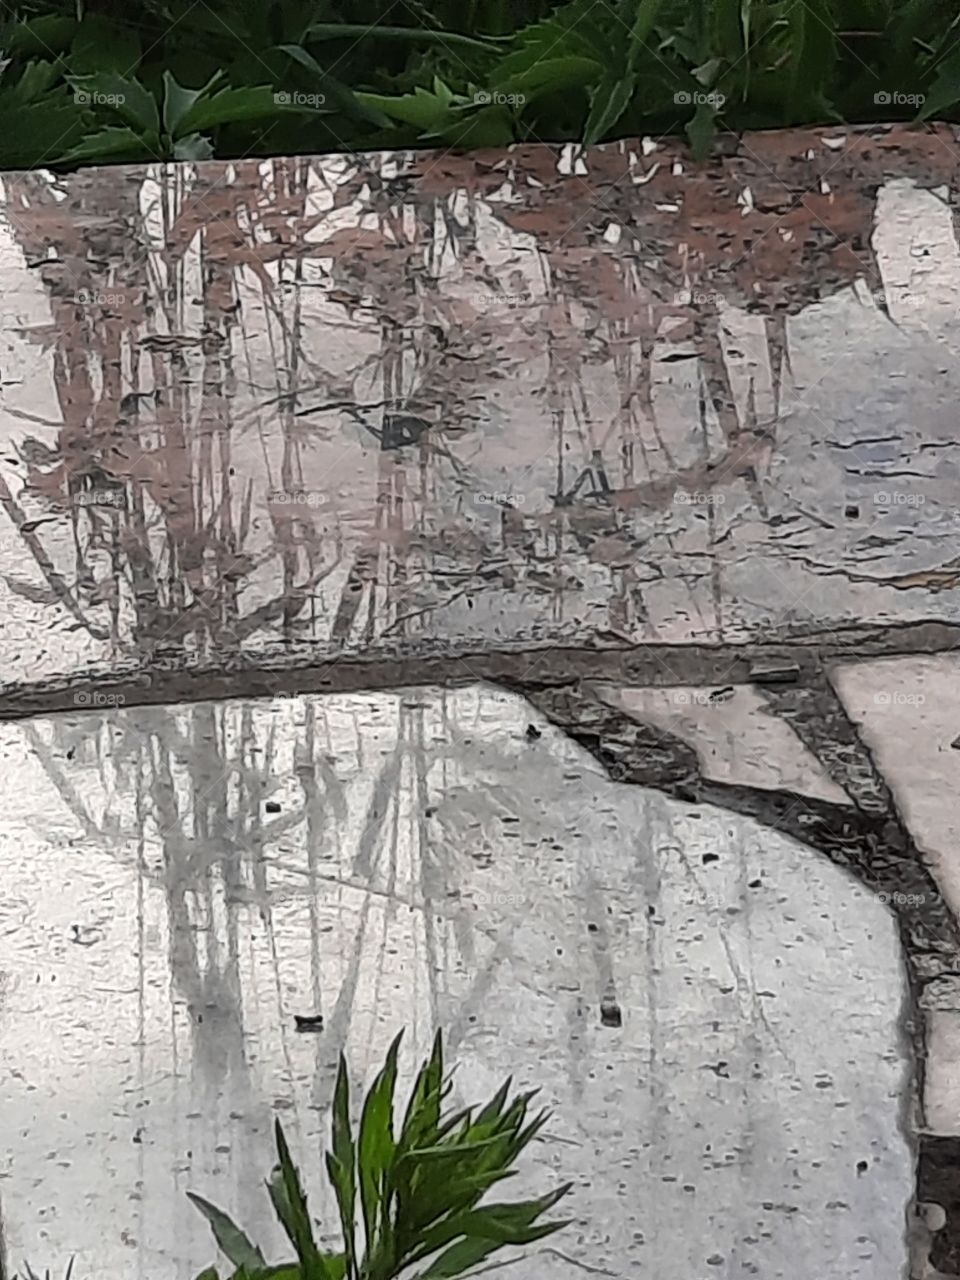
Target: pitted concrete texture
{"points": [[428, 862], [417, 403], [666, 451]]}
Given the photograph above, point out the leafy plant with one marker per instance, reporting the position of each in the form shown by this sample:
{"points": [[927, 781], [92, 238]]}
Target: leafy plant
{"points": [[418, 1191], [174, 79]]}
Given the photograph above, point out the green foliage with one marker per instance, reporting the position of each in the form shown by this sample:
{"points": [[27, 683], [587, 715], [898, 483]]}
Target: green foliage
{"points": [[83, 83], [419, 1189]]}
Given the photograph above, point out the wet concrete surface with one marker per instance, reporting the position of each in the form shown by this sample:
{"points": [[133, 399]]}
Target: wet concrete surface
{"points": [[429, 864], [661, 456], [405, 403]]}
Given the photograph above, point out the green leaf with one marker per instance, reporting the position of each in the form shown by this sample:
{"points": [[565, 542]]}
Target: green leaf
{"points": [[423, 1110], [102, 44], [208, 1273], [361, 30], [291, 1206], [701, 130], [35, 79], [944, 93], [193, 147], [41, 133], [507, 1223], [334, 90], [641, 27], [107, 144], [40, 36], [128, 98], [550, 75], [422, 109], [178, 101], [230, 1239], [341, 1164], [608, 102], [376, 1145], [813, 48], [458, 1259], [227, 106]]}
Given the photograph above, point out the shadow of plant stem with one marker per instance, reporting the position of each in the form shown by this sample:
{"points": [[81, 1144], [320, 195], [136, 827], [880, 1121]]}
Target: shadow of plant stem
{"points": [[419, 1192]]}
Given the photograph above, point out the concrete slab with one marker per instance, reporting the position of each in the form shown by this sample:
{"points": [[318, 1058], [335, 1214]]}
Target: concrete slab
{"points": [[737, 737], [410, 402], [573, 425], [413, 858]]}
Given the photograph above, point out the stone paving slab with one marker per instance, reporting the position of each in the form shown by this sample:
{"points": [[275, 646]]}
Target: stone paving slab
{"points": [[418, 402], [428, 862], [606, 431]]}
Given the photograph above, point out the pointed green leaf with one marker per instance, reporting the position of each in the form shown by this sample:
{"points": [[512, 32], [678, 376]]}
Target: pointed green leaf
{"points": [[229, 105], [642, 26], [127, 97], [336, 93], [193, 147], [608, 102], [230, 1239], [341, 1162], [109, 144], [295, 1216], [178, 100], [701, 130]]}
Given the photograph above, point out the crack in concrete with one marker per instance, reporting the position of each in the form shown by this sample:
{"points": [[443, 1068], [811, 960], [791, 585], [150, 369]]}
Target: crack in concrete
{"points": [[164, 676]]}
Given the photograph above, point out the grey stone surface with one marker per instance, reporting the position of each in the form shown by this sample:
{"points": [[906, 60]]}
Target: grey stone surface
{"points": [[429, 863]]}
